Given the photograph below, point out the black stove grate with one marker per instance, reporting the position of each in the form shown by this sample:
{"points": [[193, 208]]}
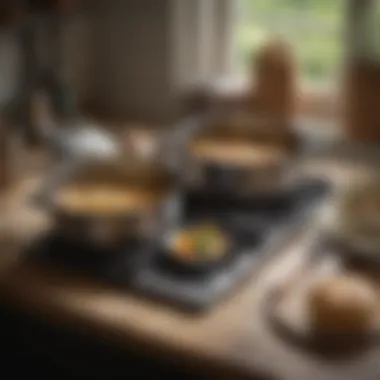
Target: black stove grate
{"points": [[256, 226]]}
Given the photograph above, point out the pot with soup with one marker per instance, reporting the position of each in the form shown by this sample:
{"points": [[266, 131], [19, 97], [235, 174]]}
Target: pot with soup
{"points": [[106, 205], [244, 160]]}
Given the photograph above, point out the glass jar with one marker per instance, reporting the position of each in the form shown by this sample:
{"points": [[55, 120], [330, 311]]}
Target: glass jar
{"points": [[275, 86]]}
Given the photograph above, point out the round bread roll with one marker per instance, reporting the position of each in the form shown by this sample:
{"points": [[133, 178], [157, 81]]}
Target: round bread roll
{"points": [[342, 305]]}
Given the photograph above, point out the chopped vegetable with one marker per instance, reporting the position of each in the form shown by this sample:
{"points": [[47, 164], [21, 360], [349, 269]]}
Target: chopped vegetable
{"points": [[200, 243]]}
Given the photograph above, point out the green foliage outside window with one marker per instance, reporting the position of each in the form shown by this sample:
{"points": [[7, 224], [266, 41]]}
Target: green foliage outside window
{"points": [[314, 27]]}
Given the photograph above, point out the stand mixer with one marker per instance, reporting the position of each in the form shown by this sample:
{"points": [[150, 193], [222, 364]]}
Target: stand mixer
{"points": [[50, 107]]}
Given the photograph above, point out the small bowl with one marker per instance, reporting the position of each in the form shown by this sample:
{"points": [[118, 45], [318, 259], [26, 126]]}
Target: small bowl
{"points": [[194, 266]]}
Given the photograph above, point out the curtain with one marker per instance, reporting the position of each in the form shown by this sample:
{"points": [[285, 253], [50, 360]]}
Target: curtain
{"points": [[203, 37]]}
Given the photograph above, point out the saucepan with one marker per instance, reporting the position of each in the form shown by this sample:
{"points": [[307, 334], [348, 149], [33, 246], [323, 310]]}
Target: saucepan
{"points": [[105, 205], [240, 155]]}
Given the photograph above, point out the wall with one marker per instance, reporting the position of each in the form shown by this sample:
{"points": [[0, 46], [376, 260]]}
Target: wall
{"points": [[132, 77], [118, 58], [9, 65], [79, 44]]}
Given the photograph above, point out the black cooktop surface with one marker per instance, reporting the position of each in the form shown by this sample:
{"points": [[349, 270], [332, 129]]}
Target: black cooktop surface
{"points": [[256, 227]]}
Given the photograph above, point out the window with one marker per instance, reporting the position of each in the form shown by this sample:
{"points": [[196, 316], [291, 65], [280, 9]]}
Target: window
{"points": [[314, 27], [368, 31]]}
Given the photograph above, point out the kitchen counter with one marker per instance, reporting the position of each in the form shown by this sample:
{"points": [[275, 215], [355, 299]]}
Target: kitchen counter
{"points": [[231, 341]]}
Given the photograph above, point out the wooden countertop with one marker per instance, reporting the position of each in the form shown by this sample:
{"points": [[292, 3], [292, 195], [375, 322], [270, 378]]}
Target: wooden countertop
{"points": [[232, 339]]}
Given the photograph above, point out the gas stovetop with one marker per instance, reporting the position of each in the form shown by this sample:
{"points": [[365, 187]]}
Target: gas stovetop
{"points": [[257, 228]]}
